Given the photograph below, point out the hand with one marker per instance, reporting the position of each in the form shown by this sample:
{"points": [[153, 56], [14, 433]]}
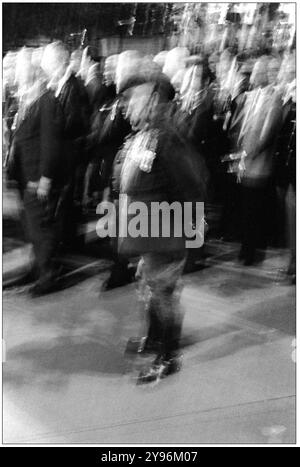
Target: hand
{"points": [[43, 189], [241, 167]]}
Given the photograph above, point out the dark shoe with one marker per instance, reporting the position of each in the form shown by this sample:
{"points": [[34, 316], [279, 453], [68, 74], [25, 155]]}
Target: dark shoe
{"points": [[46, 286], [159, 369], [173, 365], [151, 375], [115, 281]]}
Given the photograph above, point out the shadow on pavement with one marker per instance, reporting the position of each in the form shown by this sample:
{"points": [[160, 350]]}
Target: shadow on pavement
{"points": [[65, 356]]}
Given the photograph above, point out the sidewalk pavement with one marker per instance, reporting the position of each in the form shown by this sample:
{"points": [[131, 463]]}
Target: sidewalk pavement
{"points": [[66, 379], [17, 261]]}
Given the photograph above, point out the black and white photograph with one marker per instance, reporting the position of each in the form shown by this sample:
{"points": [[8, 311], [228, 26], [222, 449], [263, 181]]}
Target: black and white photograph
{"points": [[149, 226]]}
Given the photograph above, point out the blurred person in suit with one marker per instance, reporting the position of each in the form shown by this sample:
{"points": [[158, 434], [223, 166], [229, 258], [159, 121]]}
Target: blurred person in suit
{"points": [[37, 164], [231, 213], [257, 140], [68, 92], [113, 130], [90, 74], [97, 153]]}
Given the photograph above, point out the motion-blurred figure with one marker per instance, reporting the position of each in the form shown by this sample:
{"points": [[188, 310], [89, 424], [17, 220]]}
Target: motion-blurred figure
{"points": [[63, 82], [231, 214], [259, 131], [213, 60], [37, 164], [285, 161], [156, 164], [82, 104], [9, 101], [113, 129], [75, 62], [90, 74], [197, 109]]}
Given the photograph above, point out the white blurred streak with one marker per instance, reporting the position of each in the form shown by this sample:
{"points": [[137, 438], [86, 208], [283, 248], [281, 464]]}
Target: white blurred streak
{"points": [[175, 60], [127, 65]]}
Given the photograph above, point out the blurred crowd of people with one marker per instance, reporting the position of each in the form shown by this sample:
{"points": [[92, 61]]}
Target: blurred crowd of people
{"points": [[237, 110], [70, 122]]}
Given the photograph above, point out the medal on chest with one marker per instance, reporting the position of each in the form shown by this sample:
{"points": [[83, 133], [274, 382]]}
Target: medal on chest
{"points": [[142, 150]]}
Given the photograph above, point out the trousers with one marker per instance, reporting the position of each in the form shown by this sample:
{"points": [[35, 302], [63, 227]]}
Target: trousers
{"points": [[159, 290], [44, 224]]}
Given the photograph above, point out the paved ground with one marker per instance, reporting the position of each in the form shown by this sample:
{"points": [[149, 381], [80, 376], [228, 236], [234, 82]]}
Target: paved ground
{"points": [[66, 379]]}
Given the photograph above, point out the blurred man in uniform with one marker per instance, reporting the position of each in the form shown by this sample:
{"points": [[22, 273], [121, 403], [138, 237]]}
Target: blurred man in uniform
{"points": [[156, 165]]}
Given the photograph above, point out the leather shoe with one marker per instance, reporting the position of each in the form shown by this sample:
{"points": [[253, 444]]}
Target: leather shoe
{"points": [[159, 369]]}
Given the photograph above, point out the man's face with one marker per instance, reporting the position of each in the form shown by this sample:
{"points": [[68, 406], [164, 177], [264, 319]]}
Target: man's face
{"points": [[273, 70], [24, 69], [75, 61], [54, 63], [287, 73], [212, 64], [259, 75], [138, 104]]}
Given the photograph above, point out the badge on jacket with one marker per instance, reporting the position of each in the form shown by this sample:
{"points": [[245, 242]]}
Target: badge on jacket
{"points": [[142, 150]]}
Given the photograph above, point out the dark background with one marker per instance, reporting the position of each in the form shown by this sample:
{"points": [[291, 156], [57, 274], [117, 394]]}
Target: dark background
{"points": [[35, 23]]}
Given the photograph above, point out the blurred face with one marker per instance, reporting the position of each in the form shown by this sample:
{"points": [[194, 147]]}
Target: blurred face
{"points": [[24, 70], [138, 102], [259, 75], [54, 63], [75, 61], [222, 68], [273, 70], [37, 56], [287, 72], [212, 64]]}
